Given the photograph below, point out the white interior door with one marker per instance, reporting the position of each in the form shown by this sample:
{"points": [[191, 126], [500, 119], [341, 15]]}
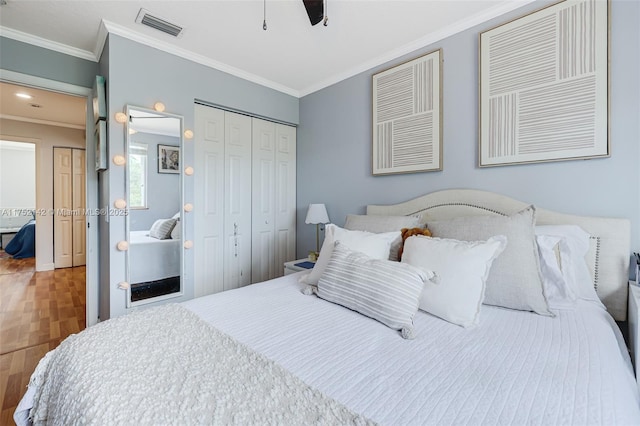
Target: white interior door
{"points": [[78, 202], [62, 204], [237, 200], [209, 200], [263, 198]]}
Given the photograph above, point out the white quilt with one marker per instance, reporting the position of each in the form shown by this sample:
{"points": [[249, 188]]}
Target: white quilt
{"points": [[514, 368]]}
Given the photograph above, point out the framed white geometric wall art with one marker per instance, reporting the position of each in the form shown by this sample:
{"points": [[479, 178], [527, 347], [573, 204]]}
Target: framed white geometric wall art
{"points": [[544, 86], [407, 116]]}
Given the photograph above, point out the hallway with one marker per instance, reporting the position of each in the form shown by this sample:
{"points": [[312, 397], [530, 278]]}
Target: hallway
{"points": [[37, 311]]}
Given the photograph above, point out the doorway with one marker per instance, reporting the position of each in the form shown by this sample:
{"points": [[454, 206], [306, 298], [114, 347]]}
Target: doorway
{"points": [[85, 127]]}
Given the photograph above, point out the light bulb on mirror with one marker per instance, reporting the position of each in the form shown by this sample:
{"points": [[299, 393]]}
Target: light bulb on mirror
{"points": [[188, 244], [158, 106], [188, 207], [121, 117], [123, 246], [120, 204], [119, 160], [188, 171], [188, 134], [123, 285]]}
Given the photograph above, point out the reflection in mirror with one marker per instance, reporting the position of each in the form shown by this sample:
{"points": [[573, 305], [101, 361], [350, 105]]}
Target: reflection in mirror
{"points": [[154, 224]]}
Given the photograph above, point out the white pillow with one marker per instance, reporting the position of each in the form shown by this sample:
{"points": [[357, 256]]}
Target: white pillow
{"points": [[515, 281], [378, 288], [373, 245], [462, 269], [380, 223], [574, 245], [559, 294], [161, 228]]}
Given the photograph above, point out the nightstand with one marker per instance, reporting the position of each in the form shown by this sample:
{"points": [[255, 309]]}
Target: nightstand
{"points": [[297, 266], [634, 327]]}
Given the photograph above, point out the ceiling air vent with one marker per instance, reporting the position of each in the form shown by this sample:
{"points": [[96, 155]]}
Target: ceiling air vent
{"points": [[146, 18]]}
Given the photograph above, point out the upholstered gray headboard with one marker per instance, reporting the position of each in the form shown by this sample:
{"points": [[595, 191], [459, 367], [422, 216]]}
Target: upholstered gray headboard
{"points": [[608, 257]]}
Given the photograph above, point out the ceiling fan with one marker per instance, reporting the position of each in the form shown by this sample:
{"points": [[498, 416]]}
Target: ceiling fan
{"points": [[316, 11]]}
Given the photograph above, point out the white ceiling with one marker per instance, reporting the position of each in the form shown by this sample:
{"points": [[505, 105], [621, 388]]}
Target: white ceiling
{"points": [[291, 56]]}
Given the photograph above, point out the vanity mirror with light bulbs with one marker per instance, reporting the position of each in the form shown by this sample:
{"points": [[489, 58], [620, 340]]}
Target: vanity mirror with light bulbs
{"points": [[155, 224]]}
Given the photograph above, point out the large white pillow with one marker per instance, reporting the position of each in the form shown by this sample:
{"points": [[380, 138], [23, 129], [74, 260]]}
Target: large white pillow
{"points": [[378, 288], [574, 245], [514, 281], [373, 245], [380, 223], [461, 267]]}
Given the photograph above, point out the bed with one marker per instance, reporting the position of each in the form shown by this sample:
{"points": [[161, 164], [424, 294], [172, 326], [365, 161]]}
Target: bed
{"points": [[23, 243], [152, 259], [273, 353]]}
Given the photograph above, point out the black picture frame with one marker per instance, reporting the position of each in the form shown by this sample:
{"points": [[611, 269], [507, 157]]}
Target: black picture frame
{"points": [[168, 159]]}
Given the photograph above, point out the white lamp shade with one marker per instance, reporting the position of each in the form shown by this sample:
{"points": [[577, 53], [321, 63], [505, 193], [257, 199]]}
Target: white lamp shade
{"points": [[316, 214]]}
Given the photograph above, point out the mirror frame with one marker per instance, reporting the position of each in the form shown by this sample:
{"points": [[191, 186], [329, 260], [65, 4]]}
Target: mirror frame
{"points": [[180, 293]]}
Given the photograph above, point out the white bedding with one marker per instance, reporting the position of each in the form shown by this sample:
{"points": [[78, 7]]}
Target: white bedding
{"points": [[152, 259], [514, 368]]}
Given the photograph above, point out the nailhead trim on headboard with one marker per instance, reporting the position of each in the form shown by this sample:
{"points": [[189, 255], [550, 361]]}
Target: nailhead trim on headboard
{"points": [[459, 204], [596, 267]]}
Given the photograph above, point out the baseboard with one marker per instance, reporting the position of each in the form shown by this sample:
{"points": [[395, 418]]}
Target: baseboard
{"points": [[45, 267]]}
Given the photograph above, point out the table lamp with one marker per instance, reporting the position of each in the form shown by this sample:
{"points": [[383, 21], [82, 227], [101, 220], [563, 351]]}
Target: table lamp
{"points": [[317, 214]]}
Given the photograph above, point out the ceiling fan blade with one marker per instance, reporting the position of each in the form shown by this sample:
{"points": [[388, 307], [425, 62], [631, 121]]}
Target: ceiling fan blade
{"points": [[315, 10]]}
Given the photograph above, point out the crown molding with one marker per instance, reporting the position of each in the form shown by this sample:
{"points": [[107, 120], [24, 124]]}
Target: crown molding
{"points": [[418, 44], [47, 44], [195, 57]]}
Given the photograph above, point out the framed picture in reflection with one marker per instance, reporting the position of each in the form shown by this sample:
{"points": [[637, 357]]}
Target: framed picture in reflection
{"points": [[168, 159]]}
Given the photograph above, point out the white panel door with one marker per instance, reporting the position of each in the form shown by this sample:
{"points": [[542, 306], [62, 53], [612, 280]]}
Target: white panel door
{"points": [[237, 201], [78, 201], [209, 200], [285, 196], [263, 265], [62, 204]]}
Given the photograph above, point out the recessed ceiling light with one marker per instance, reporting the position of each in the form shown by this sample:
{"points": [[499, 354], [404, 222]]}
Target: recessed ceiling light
{"points": [[24, 95]]}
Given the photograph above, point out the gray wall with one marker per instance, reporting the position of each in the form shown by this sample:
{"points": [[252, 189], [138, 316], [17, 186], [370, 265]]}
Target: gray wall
{"points": [[334, 141], [140, 75], [163, 189], [40, 62]]}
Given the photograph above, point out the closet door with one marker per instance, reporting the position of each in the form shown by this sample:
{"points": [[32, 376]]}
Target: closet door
{"points": [[237, 199], [78, 203], [263, 193], [285, 196], [274, 198], [209, 200], [62, 204]]}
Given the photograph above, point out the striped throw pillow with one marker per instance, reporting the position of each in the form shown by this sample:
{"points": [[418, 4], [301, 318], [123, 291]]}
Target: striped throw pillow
{"points": [[161, 228], [378, 288]]}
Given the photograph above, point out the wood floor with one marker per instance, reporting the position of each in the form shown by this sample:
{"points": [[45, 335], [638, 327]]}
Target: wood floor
{"points": [[37, 311]]}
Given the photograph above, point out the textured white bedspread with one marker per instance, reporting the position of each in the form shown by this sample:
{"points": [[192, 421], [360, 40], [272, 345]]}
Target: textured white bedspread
{"points": [[164, 366], [514, 368]]}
